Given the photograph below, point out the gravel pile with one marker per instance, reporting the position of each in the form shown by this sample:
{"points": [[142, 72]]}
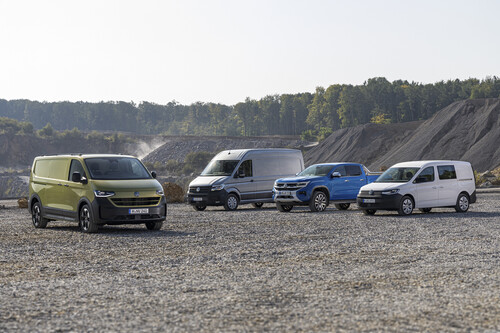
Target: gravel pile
{"points": [[255, 270]]}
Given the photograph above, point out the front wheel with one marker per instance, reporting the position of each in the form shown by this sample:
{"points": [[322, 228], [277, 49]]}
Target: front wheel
{"points": [[406, 206], [318, 202], [462, 203], [284, 208], [86, 219], [231, 202], [36, 216], [342, 206], [154, 225], [199, 207], [369, 211], [258, 204]]}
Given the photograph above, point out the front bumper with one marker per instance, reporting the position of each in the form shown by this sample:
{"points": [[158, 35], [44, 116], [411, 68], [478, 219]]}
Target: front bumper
{"points": [[210, 198], [299, 197], [107, 213], [379, 201]]}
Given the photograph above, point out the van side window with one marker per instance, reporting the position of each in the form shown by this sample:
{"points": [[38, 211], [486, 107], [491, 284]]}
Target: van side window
{"points": [[341, 170], [447, 172], [427, 175], [246, 168], [353, 170], [76, 166]]}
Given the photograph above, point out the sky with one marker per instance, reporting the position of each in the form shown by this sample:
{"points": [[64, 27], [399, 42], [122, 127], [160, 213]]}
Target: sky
{"points": [[223, 51]]}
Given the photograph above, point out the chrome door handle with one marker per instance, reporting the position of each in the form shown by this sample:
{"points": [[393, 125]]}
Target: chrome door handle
{"points": [[59, 184], [441, 186], [361, 180], [346, 180], [434, 187]]}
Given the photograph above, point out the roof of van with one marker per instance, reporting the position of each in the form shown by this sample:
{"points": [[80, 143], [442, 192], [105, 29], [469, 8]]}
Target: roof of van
{"points": [[420, 164], [237, 154], [83, 156]]}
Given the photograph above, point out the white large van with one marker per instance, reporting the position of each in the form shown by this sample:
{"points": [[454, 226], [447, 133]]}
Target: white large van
{"points": [[420, 184], [243, 176]]}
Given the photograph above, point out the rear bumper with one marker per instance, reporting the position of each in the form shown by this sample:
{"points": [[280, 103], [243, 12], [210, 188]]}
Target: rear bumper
{"points": [[107, 213], [386, 202]]}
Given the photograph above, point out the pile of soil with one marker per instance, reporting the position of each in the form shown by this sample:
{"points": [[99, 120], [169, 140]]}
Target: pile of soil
{"points": [[466, 130]]}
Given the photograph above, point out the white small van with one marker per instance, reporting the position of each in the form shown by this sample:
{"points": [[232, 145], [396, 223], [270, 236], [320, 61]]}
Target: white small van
{"points": [[243, 176], [420, 184]]}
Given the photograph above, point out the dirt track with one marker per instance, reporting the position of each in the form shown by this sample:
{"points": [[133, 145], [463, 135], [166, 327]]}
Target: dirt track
{"points": [[255, 270]]}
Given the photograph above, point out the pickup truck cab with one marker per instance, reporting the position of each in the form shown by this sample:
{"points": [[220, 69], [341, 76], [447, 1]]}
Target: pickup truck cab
{"points": [[322, 184]]}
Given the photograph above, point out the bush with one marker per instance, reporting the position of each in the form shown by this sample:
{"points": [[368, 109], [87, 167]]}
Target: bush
{"points": [[47, 131]]}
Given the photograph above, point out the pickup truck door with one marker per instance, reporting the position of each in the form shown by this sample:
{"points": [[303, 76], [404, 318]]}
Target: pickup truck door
{"points": [[346, 187]]}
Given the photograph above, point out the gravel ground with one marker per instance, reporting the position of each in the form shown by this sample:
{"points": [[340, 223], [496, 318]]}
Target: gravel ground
{"points": [[256, 270]]}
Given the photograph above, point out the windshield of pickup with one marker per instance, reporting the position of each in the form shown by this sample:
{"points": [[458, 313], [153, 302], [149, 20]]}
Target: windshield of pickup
{"points": [[316, 170], [220, 168], [397, 175], [116, 168]]}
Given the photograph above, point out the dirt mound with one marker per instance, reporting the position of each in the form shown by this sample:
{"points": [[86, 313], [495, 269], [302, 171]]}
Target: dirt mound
{"points": [[466, 130], [176, 148], [173, 192], [364, 143]]}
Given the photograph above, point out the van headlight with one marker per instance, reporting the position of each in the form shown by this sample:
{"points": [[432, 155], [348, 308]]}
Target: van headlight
{"points": [[103, 194], [217, 187], [160, 192], [394, 191]]}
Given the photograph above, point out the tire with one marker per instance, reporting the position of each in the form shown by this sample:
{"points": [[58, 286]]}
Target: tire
{"points": [[86, 220], [318, 202], [154, 225], [258, 204], [369, 211], [284, 208], [36, 216], [342, 206], [425, 210], [199, 207], [232, 202], [463, 203], [406, 206]]}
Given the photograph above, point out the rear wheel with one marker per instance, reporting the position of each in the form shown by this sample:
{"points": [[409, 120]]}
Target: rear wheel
{"points": [[342, 206], [406, 206], [199, 207], [231, 202], [86, 219], [369, 211], [284, 208], [154, 225], [258, 204], [318, 202], [462, 203], [425, 210], [36, 216]]}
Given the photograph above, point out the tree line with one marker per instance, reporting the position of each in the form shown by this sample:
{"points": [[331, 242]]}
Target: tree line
{"points": [[312, 115]]}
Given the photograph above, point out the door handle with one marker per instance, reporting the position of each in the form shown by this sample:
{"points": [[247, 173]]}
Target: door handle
{"points": [[434, 187], [346, 180], [66, 185], [59, 184], [251, 181], [441, 186]]}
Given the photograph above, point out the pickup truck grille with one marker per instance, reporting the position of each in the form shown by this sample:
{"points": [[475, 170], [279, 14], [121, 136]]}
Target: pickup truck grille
{"points": [[288, 186], [130, 202], [203, 189]]}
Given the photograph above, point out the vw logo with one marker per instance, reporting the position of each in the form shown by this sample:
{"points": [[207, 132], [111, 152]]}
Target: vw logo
{"points": [[136, 194], [371, 192], [197, 189]]}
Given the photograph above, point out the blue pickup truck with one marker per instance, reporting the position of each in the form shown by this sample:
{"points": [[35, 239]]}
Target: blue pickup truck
{"points": [[322, 184]]}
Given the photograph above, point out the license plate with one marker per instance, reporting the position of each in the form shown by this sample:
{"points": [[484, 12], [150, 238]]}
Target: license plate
{"points": [[197, 199], [368, 200], [138, 211], [284, 193]]}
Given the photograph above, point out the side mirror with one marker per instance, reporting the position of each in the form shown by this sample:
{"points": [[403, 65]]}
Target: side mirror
{"points": [[336, 174], [153, 174], [76, 177]]}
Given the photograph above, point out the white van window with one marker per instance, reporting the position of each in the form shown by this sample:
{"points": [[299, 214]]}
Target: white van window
{"points": [[447, 172], [397, 175], [427, 175], [246, 168]]}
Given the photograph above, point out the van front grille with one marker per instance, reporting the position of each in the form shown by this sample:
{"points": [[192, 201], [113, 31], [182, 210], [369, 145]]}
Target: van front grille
{"points": [[153, 201], [199, 189]]}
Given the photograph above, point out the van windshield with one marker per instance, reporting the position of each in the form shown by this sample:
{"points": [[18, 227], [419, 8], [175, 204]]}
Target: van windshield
{"points": [[397, 175], [220, 168], [316, 170], [116, 168]]}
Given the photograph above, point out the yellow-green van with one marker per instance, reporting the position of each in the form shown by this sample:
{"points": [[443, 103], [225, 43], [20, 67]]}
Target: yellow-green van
{"points": [[95, 190]]}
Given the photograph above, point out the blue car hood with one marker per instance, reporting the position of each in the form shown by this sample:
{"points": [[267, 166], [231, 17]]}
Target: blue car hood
{"points": [[298, 179]]}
